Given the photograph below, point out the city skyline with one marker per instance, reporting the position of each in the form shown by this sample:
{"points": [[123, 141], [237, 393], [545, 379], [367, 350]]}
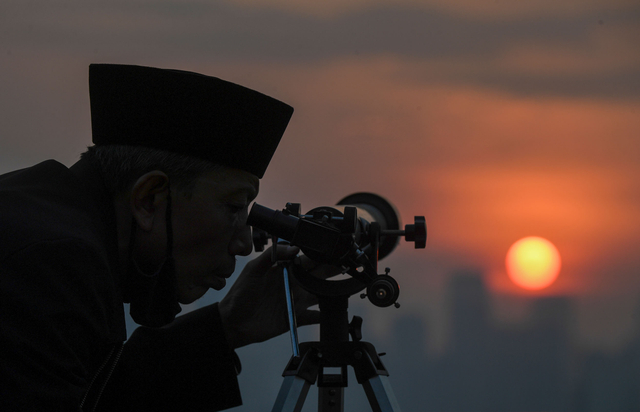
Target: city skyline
{"points": [[487, 365]]}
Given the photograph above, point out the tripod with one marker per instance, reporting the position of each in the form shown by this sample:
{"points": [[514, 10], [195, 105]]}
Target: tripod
{"points": [[334, 350]]}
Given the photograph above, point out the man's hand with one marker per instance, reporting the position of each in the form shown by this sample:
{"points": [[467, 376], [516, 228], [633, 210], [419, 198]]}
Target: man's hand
{"points": [[255, 308]]}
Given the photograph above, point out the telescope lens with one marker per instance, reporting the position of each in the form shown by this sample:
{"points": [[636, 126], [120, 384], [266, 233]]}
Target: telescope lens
{"points": [[382, 212]]}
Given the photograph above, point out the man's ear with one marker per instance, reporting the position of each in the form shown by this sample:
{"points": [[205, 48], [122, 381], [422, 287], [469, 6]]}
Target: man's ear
{"points": [[148, 198]]}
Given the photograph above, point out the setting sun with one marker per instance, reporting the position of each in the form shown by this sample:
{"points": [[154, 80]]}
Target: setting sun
{"points": [[533, 263]]}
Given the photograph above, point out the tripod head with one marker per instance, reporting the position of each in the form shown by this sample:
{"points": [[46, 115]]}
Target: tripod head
{"points": [[364, 229]]}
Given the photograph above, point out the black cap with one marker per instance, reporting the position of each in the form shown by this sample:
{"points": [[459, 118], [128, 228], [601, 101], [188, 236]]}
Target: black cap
{"points": [[187, 113]]}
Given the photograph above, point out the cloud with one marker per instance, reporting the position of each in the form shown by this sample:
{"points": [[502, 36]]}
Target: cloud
{"points": [[569, 48], [469, 8]]}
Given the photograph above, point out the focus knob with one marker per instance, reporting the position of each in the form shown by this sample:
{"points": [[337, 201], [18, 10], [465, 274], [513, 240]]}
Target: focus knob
{"points": [[383, 291]]}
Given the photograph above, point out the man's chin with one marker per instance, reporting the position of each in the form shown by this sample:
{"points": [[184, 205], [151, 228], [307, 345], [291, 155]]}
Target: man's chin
{"points": [[192, 294]]}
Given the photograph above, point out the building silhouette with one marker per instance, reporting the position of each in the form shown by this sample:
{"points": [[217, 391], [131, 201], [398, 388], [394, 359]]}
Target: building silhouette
{"points": [[531, 366]]}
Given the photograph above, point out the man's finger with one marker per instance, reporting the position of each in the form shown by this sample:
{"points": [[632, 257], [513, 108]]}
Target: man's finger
{"points": [[265, 260]]}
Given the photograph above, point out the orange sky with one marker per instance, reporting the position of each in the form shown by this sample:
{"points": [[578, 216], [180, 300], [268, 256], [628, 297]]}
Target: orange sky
{"points": [[486, 168], [494, 122]]}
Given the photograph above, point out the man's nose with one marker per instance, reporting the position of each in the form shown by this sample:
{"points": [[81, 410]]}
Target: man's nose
{"points": [[241, 243]]}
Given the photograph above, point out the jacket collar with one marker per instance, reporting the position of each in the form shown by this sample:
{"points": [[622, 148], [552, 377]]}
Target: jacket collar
{"points": [[90, 175]]}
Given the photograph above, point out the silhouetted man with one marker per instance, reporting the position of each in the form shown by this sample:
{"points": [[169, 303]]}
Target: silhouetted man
{"points": [[153, 214]]}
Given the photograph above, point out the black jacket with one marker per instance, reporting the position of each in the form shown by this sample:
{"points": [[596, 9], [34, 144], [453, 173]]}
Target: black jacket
{"points": [[61, 311]]}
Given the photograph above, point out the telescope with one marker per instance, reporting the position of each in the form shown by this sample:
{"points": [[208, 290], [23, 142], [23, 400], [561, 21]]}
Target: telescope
{"points": [[352, 236], [361, 230]]}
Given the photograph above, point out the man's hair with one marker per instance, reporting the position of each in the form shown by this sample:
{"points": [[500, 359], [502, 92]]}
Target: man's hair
{"points": [[121, 166]]}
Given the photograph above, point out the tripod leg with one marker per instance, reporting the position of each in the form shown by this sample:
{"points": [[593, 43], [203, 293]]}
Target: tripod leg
{"points": [[380, 394], [292, 394]]}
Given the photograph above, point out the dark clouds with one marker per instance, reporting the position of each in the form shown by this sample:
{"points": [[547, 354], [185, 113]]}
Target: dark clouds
{"points": [[224, 32]]}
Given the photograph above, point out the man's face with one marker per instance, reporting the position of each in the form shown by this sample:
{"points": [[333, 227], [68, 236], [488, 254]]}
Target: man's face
{"points": [[210, 230]]}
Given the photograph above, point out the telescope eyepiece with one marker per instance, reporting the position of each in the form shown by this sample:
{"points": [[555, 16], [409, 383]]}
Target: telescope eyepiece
{"points": [[274, 222]]}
